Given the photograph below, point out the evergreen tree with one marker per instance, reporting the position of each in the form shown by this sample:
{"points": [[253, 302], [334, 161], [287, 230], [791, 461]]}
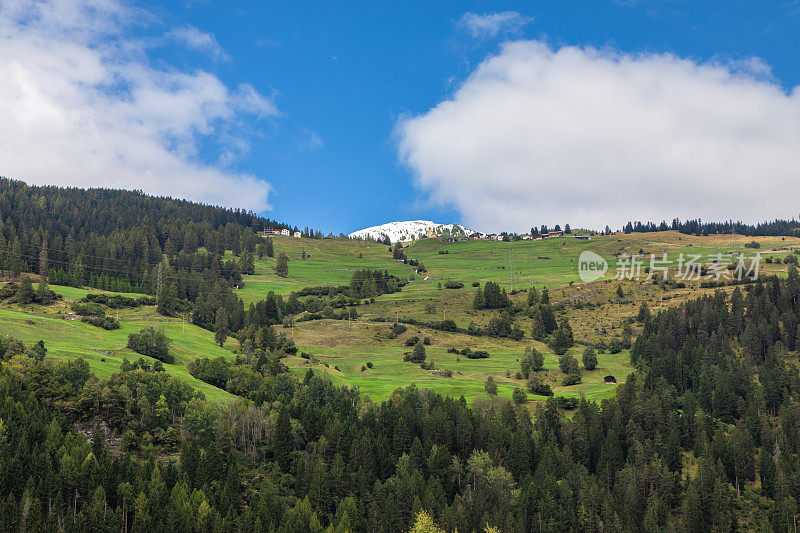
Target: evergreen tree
{"points": [[282, 265], [490, 386], [25, 294], [221, 327], [589, 358], [418, 354]]}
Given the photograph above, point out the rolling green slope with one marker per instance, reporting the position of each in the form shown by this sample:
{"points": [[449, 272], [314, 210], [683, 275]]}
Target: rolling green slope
{"points": [[105, 350]]}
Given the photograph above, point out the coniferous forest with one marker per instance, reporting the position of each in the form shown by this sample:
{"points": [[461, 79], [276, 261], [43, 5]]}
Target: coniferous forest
{"points": [[713, 392], [702, 436]]}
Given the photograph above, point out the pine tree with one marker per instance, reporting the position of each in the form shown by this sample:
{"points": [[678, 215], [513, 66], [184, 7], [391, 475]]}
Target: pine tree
{"points": [[490, 386], [221, 326], [589, 358], [25, 294], [418, 355], [478, 302], [282, 265], [44, 266]]}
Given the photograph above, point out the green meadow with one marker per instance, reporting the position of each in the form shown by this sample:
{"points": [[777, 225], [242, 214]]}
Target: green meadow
{"points": [[349, 346], [356, 344], [67, 339], [328, 262]]}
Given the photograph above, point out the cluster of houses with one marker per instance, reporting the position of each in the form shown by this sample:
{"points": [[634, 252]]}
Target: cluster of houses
{"points": [[270, 232], [525, 237]]}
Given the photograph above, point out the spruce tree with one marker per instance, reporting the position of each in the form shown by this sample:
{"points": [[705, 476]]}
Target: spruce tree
{"points": [[221, 327]]}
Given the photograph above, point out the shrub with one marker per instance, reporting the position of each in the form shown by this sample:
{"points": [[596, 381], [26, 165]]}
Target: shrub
{"points": [[369, 364], [105, 322], [476, 283], [567, 403], [519, 395], [152, 343], [490, 386], [411, 341], [398, 328], [426, 341], [476, 354], [536, 386], [453, 285], [572, 379]]}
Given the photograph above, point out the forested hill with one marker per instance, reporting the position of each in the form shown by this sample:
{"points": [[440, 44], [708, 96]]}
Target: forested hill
{"points": [[702, 437], [112, 238]]}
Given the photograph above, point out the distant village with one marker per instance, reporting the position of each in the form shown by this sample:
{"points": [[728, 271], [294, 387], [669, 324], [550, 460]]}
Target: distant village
{"points": [[478, 236], [447, 236]]}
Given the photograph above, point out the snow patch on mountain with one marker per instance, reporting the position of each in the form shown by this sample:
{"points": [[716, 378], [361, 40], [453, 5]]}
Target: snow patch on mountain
{"points": [[411, 230]]}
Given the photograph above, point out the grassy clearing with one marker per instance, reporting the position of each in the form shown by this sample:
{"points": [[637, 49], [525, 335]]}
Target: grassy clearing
{"points": [[349, 346], [331, 262], [67, 339]]}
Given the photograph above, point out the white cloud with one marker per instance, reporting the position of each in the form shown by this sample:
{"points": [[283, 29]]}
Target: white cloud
{"points": [[594, 137], [489, 25], [198, 40], [81, 105], [310, 140]]}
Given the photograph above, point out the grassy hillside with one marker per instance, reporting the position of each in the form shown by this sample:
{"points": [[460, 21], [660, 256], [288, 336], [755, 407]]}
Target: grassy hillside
{"points": [[330, 262], [105, 350], [349, 346], [549, 262], [595, 310]]}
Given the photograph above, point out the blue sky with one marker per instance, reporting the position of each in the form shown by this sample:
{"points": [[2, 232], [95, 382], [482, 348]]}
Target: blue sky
{"points": [[319, 93]]}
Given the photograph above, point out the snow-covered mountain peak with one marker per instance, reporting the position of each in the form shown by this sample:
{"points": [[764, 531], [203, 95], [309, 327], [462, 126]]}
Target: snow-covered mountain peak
{"points": [[411, 230]]}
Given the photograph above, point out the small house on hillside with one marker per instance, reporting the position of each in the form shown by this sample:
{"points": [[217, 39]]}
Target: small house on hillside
{"points": [[297, 235], [556, 234], [475, 236], [430, 233], [285, 232], [271, 231], [581, 237]]}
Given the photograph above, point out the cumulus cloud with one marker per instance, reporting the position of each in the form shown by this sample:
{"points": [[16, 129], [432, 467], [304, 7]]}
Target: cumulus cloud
{"points": [[594, 137], [489, 25], [81, 105]]}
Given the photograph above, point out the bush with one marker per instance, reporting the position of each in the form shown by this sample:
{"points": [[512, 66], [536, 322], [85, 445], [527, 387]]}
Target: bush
{"points": [[105, 322], [447, 325], [476, 354], [476, 283], [567, 403], [426, 341], [152, 343], [615, 346], [411, 341], [398, 329], [572, 379], [519, 395], [536, 386], [369, 364], [453, 285]]}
